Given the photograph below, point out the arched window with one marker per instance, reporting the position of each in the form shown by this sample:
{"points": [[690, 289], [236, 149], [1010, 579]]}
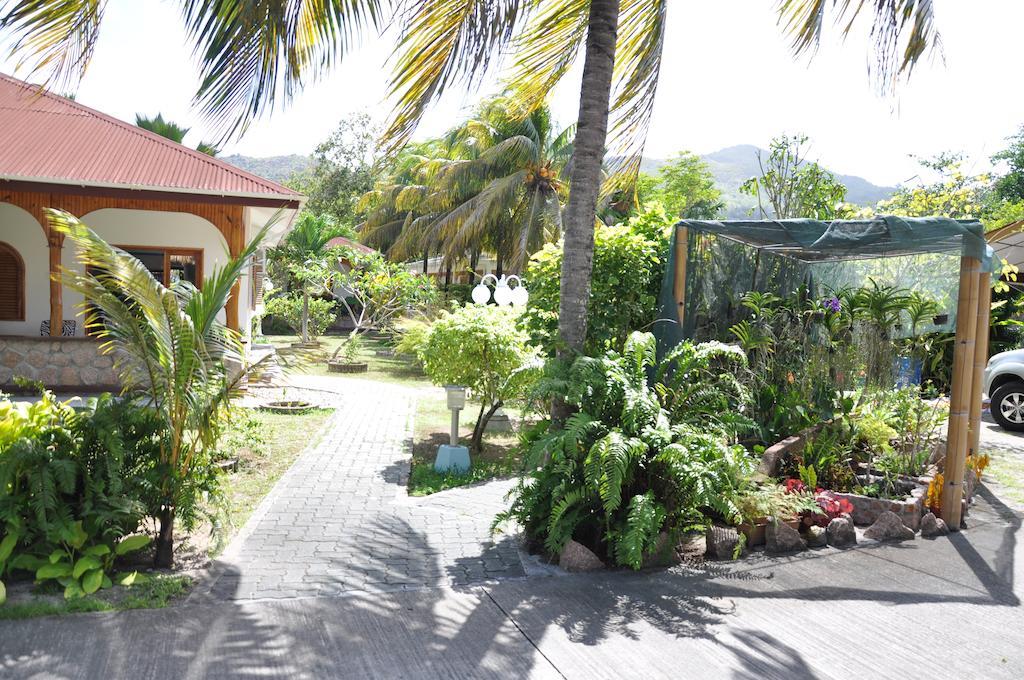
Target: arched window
{"points": [[12, 284]]}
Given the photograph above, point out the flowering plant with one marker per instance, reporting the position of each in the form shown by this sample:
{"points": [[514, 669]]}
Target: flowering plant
{"points": [[829, 504]]}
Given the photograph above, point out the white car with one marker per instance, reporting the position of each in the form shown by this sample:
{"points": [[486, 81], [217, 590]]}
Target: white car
{"points": [[1004, 384]]}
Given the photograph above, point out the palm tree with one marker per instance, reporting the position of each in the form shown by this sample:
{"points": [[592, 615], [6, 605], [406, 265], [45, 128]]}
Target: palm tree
{"points": [[169, 349], [251, 55], [306, 242], [171, 131]]}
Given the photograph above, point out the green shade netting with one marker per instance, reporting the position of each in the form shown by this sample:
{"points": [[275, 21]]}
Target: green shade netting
{"points": [[728, 259]]}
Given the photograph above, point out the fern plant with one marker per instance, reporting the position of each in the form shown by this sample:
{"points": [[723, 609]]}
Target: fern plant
{"points": [[631, 464]]}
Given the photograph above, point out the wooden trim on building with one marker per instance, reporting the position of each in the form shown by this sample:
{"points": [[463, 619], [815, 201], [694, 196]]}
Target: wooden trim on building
{"points": [[115, 193], [227, 218]]}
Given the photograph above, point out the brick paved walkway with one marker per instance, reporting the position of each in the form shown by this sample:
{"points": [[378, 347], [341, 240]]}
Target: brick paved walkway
{"points": [[340, 519]]}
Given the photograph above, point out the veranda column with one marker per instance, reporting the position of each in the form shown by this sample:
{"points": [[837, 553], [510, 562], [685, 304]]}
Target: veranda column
{"points": [[960, 394], [980, 359], [679, 284], [55, 243]]}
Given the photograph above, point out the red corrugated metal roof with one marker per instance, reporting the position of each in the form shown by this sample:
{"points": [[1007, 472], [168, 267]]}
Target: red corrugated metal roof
{"points": [[47, 138], [342, 242]]}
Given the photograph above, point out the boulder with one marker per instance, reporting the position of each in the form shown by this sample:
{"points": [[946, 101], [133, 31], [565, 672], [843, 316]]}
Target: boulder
{"points": [[888, 527], [840, 532], [578, 557], [816, 537], [722, 542], [781, 538], [663, 554], [933, 526]]}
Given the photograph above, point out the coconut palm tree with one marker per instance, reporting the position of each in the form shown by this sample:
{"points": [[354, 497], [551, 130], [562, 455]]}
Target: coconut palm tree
{"points": [[169, 350], [250, 52], [306, 242], [171, 131]]}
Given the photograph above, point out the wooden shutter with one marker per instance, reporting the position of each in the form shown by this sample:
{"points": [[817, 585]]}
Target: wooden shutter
{"points": [[258, 272], [12, 284]]}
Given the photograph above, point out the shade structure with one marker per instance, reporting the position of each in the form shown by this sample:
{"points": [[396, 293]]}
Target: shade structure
{"points": [[712, 263]]}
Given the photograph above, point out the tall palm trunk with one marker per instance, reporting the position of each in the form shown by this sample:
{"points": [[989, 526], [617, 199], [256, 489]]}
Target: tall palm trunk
{"points": [[305, 314], [581, 210], [164, 556]]}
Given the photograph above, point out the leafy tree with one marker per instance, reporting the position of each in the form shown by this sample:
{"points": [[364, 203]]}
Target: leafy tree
{"points": [[171, 131], [245, 64], [628, 269], [305, 244], [317, 313], [1010, 187], [169, 349], [954, 194], [791, 186], [479, 347], [687, 188], [342, 171]]}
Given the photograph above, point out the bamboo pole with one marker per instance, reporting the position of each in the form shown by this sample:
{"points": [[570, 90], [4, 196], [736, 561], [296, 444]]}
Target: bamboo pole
{"points": [[55, 243], [980, 360], [679, 285], [960, 394]]}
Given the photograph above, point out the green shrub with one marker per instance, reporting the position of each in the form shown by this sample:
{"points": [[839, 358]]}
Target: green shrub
{"points": [[627, 273], [620, 472], [76, 486], [288, 308], [482, 348]]}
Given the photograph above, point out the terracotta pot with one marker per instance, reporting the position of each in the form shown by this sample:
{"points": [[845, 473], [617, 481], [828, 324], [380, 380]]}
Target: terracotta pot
{"points": [[754, 532]]}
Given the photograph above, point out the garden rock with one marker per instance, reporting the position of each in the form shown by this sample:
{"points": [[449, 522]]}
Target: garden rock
{"points": [[782, 538], [888, 527], [816, 537], [577, 557], [722, 542], [933, 526], [840, 532]]}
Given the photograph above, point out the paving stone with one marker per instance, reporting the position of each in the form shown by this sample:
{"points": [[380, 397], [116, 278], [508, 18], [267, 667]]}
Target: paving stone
{"points": [[338, 521]]}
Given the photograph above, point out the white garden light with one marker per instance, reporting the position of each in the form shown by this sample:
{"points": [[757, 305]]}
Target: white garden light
{"points": [[504, 294]]}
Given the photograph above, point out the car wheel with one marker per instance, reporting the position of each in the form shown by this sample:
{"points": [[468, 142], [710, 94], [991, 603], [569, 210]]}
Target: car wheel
{"points": [[1008, 406]]}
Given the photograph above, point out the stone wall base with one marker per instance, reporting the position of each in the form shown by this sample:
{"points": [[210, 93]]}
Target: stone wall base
{"points": [[61, 364]]}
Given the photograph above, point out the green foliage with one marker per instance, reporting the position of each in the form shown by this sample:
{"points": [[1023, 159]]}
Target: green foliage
{"points": [[686, 188], [342, 171], [170, 352], [1010, 187], [480, 347], [289, 308], [791, 186], [619, 472], [627, 272], [773, 501], [953, 194], [425, 480]]}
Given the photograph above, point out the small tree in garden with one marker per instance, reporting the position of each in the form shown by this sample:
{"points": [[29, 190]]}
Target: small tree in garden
{"points": [[480, 347], [293, 308], [169, 350], [373, 292]]}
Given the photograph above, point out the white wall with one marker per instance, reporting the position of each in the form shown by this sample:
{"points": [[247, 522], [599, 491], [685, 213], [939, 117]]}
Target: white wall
{"points": [[25, 234], [116, 226]]}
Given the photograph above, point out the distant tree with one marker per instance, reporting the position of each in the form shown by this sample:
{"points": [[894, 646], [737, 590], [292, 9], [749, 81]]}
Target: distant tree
{"points": [[1010, 187], [688, 188], [791, 186], [343, 170], [171, 131], [952, 194]]}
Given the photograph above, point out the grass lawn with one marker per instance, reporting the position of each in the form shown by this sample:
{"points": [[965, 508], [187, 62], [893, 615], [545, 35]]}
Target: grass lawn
{"points": [[389, 369], [155, 592], [1007, 469], [499, 458], [266, 445]]}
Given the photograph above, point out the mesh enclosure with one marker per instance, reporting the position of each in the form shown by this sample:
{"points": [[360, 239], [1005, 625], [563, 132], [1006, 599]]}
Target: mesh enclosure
{"points": [[817, 259]]}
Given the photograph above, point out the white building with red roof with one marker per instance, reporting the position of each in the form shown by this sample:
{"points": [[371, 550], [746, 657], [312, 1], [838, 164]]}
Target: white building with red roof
{"points": [[181, 212]]}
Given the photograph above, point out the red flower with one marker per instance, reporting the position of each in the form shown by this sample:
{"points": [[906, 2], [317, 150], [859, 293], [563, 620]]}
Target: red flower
{"points": [[795, 486]]}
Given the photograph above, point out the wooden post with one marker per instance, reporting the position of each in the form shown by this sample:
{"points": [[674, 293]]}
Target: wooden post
{"points": [[679, 285], [980, 360], [55, 243], [959, 400]]}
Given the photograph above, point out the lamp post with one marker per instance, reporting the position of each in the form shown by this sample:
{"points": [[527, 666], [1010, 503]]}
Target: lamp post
{"points": [[504, 294], [451, 457]]}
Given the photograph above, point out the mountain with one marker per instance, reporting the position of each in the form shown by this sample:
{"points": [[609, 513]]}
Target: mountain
{"points": [[275, 168], [734, 165]]}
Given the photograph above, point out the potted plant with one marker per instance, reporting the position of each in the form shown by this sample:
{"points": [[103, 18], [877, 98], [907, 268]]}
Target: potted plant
{"points": [[346, 358]]}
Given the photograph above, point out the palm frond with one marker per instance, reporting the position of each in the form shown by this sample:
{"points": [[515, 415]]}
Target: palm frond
{"points": [[55, 38]]}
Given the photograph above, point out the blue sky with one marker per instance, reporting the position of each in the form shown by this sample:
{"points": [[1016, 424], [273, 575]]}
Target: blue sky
{"points": [[728, 78]]}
